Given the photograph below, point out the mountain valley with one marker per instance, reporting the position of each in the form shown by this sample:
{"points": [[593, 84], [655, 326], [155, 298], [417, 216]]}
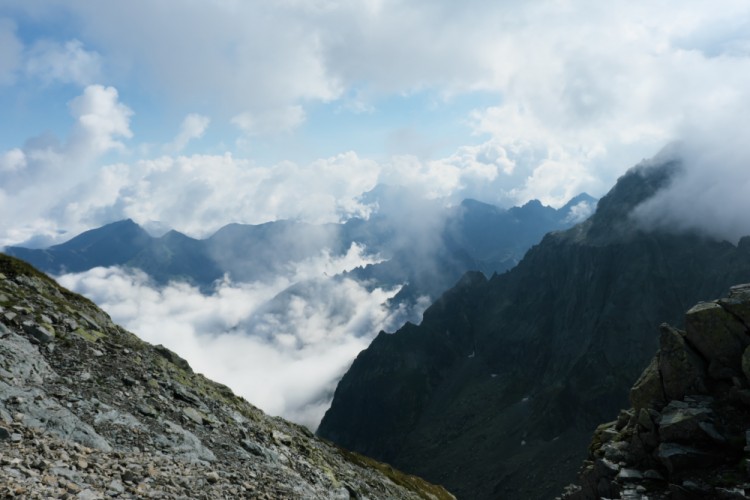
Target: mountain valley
{"points": [[88, 410]]}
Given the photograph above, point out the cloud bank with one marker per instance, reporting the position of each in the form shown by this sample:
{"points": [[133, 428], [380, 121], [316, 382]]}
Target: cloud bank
{"points": [[711, 192], [282, 344], [197, 194], [572, 94]]}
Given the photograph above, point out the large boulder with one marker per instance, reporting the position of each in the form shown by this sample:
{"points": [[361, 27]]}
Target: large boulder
{"points": [[686, 434], [648, 390], [718, 336], [738, 302], [682, 370], [676, 457], [682, 422]]}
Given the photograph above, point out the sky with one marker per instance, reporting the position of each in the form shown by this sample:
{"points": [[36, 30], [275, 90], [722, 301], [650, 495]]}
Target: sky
{"points": [[193, 114]]}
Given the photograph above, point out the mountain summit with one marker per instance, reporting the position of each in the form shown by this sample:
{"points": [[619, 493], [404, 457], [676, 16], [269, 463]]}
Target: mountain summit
{"points": [[88, 410], [496, 392]]}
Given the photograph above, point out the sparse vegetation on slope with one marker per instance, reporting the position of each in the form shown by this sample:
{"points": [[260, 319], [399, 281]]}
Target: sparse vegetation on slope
{"points": [[87, 408]]}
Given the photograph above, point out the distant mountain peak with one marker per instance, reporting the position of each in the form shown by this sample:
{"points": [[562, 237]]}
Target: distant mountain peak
{"points": [[577, 199], [612, 220], [533, 203], [156, 228]]}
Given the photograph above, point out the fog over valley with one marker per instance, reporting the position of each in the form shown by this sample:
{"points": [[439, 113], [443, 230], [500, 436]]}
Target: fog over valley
{"points": [[282, 348]]}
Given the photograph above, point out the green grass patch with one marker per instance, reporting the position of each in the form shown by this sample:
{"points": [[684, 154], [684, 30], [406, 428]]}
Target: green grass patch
{"points": [[426, 490], [89, 335]]}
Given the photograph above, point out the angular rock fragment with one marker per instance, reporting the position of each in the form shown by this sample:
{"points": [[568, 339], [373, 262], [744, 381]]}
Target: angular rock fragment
{"points": [[717, 335], [682, 424], [648, 391], [682, 369], [679, 457], [38, 332]]}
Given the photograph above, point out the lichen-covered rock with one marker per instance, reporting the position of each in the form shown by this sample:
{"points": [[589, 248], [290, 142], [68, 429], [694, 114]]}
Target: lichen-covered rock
{"points": [[88, 410], [38, 332]]}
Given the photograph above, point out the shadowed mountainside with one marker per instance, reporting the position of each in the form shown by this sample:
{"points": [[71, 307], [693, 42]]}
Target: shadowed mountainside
{"points": [[496, 392]]}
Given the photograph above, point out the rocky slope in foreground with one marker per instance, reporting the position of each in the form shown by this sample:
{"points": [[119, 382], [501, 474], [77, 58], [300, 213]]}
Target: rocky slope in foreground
{"points": [[87, 410], [688, 433]]}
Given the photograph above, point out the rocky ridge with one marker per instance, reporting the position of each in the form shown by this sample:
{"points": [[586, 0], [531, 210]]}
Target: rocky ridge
{"points": [[88, 410], [496, 393], [687, 434]]}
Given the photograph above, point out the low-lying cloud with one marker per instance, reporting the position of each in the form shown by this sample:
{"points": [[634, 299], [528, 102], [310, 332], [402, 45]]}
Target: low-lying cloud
{"points": [[580, 211], [283, 344], [710, 193]]}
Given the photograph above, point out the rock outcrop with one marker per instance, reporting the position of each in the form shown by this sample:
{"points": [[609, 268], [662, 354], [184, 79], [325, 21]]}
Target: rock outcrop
{"points": [[687, 434], [87, 410]]}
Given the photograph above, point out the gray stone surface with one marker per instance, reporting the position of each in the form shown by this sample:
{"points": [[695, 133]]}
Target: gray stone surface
{"points": [[90, 411]]}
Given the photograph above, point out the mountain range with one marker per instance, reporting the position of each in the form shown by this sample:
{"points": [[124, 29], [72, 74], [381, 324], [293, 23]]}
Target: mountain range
{"points": [[495, 394], [473, 235]]}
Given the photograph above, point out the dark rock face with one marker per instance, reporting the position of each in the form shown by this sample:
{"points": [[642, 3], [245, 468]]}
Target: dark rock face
{"points": [[87, 410], [496, 393], [693, 443]]}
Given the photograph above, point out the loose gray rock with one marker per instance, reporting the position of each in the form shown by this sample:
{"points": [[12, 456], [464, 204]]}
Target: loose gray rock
{"points": [[40, 333], [91, 411], [676, 457]]}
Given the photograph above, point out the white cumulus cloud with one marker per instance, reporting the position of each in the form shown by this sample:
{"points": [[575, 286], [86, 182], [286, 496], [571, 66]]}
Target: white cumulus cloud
{"points": [[12, 160], [572, 94], [66, 62], [193, 126], [100, 120], [43, 179]]}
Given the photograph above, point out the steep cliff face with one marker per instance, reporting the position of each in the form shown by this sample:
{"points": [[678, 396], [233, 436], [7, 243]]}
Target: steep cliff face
{"points": [[88, 410], [687, 434], [496, 392]]}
